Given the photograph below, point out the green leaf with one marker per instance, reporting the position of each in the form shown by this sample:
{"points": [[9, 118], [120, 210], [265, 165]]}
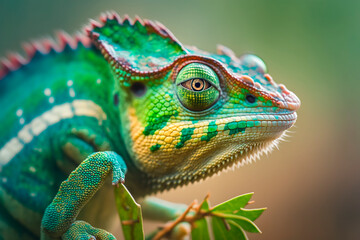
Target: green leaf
{"points": [[244, 222], [233, 204], [251, 214], [221, 232], [238, 231], [130, 214], [201, 230], [205, 205], [219, 229]]}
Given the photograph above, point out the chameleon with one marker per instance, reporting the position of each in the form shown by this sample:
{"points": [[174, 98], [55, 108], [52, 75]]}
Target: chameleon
{"points": [[124, 101]]}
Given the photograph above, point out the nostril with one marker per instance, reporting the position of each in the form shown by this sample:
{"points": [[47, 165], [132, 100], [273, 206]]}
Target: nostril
{"points": [[250, 98]]}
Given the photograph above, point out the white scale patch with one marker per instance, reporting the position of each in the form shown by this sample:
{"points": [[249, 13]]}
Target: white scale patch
{"points": [[40, 124], [19, 112], [69, 83], [47, 91], [51, 99], [71, 92]]}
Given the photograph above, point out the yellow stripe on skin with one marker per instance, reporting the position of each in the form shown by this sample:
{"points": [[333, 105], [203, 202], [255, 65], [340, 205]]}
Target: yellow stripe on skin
{"points": [[168, 158], [195, 153]]}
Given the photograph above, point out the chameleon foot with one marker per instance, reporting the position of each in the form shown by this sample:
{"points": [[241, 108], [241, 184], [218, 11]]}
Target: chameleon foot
{"points": [[84, 231], [75, 192]]}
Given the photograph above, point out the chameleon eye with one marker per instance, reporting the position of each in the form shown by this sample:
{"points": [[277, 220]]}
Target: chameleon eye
{"points": [[197, 87], [196, 84]]}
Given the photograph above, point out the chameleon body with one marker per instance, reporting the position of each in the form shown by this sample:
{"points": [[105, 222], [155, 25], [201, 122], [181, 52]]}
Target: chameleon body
{"points": [[124, 97]]}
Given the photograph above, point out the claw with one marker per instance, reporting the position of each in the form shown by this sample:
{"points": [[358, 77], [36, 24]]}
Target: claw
{"points": [[118, 182]]}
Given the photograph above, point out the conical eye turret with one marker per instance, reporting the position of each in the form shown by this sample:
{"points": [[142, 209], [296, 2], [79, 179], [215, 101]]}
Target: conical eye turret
{"points": [[197, 87]]}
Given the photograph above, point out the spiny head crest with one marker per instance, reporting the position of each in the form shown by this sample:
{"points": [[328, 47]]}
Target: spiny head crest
{"points": [[42, 47], [136, 46]]}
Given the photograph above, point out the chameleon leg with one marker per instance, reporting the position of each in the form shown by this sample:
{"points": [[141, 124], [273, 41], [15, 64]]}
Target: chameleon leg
{"points": [[73, 194]]}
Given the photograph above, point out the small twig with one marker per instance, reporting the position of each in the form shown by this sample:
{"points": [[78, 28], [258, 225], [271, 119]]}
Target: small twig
{"points": [[205, 199], [198, 212], [171, 225], [250, 202], [226, 224]]}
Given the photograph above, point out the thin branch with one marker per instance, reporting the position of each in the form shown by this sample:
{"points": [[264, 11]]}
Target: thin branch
{"points": [[171, 225]]}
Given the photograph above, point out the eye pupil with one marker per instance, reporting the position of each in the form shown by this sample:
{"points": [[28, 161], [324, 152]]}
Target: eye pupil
{"points": [[250, 98], [197, 84]]}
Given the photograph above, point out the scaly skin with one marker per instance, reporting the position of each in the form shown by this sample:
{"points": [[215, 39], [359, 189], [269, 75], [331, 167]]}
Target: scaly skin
{"points": [[155, 110]]}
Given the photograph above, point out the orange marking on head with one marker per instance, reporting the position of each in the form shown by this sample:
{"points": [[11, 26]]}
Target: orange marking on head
{"points": [[247, 79], [284, 89], [269, 78]]}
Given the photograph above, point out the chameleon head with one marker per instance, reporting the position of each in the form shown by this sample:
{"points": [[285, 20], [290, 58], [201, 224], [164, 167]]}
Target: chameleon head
{"points": [[189, 113]]}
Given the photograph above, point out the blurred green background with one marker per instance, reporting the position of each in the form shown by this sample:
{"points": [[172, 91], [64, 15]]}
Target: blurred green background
{"points": [[311, 186]]}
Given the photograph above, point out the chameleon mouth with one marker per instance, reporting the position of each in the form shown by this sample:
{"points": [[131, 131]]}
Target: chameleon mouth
{"points": [[258, 125], [243, 148]]}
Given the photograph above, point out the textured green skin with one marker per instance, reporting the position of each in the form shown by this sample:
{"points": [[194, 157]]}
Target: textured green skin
{"points": [[154, 138], [80, 186]]}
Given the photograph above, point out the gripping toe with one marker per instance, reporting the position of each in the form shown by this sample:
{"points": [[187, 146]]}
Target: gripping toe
{"points": [[83, 231]]}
